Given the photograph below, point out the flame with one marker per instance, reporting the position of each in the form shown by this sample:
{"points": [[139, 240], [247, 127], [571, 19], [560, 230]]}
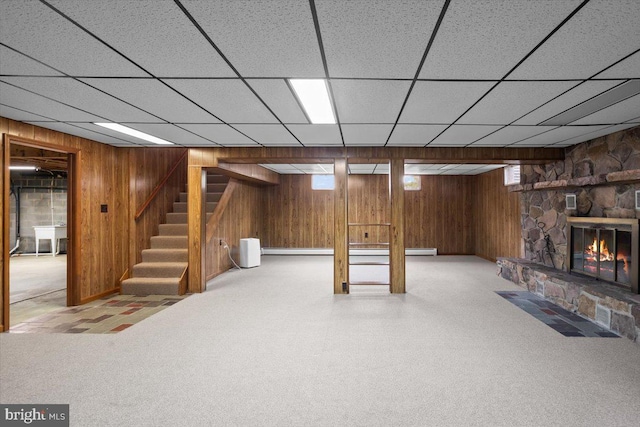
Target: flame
{"points": [[601, 252]]}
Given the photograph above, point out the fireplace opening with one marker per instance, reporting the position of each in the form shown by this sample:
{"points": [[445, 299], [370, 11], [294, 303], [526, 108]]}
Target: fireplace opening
{"points": [[606, 249]]}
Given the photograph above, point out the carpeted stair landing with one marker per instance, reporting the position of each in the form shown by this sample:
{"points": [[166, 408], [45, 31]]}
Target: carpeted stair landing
{"points": [[164, 265]]}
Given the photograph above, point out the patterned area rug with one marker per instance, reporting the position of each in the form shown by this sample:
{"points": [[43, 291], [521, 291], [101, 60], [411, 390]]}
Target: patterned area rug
{"points": [[105, 316], [567, 323]]}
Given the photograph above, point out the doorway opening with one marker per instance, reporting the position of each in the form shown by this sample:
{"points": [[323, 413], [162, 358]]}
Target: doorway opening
{"points": [[38, 217]]}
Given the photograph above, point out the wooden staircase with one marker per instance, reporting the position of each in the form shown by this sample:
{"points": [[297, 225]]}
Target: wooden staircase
{"points": [[163, 270]]}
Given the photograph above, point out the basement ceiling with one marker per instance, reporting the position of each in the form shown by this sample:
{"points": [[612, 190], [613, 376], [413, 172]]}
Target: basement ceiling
{"points": [[485, 73], [383, 169]]}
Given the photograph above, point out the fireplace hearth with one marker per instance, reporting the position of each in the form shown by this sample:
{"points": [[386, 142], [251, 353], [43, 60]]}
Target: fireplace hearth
{"points": [[604, 248]]}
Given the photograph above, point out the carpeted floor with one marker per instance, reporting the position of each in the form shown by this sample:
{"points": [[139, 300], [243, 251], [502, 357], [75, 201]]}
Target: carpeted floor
{"points": [[272, 346]]}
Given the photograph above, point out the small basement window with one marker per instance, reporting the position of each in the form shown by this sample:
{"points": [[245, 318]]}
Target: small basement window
{"points": [[412, 182], [323, 182]]}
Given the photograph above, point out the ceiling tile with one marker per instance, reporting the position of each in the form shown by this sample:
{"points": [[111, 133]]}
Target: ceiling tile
{"points": [[617, 113], [108, 133], [222, 134], [147, 22], [441, 102], [609, 28], [314, 168], [415, 135], [272, 135], [284, 169], [575, 96], [557, 135], [155, 98], [36, 30], [369, 101], [511, 100], [73, 92], [317, 134], [13, 63], [626, 69], [460, 135], [595, 133], [36, 104], [510, 134], [366, 134], [229, 99], [262, 39], [489, 37], [376, 38], [171, 133], [20, 115], [277, 95], [94, 133]]}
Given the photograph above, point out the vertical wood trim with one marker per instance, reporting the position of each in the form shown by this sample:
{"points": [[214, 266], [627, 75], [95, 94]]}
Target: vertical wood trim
{"points": [[340, 249], [5, 232], [396, 244], [134, 244], [196, 189], [74, 242]]}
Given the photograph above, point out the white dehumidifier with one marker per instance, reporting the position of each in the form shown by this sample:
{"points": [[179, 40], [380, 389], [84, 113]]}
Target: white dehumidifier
{"points": [[249, 252]]}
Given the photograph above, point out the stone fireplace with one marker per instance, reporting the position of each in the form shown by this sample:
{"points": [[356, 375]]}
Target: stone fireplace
{"points": [[584, 257], [605, 249]]}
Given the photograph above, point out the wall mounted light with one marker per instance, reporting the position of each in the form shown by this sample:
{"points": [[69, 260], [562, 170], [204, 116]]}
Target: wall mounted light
{"points": [[22, 168]]}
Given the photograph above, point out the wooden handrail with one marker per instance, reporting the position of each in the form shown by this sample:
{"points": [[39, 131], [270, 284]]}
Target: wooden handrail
{"points": [[214, 220], [162, 183]]}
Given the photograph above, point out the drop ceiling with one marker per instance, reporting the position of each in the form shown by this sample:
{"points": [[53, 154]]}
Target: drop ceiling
{"points": [[484, 73], [383, 169]]}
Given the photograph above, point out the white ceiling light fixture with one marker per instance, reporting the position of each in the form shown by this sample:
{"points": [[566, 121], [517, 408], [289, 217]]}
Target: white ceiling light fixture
{"points": [[135, 133], [314, 98]]}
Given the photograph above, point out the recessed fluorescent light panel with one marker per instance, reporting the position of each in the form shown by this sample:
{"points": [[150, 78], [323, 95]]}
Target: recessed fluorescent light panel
{"points": [[597, 103], [314, 97], [135, 133]]}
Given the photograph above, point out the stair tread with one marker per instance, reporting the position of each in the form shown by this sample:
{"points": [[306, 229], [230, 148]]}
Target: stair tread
{"points": [[159, 280], [162, 264]]}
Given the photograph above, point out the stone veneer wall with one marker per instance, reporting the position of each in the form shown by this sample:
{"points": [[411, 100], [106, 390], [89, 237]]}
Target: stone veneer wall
{"points": [[544, 213], [582, 295]]}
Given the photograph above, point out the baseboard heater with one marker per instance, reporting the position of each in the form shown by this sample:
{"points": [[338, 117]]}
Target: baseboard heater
{"points": [[327, 251]]}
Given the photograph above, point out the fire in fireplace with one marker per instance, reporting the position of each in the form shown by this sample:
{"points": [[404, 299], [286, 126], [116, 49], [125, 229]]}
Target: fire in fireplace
{"points": [[605, 248]]}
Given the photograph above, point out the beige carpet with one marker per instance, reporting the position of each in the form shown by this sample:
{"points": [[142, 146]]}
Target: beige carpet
{"points": [[272, 346]]}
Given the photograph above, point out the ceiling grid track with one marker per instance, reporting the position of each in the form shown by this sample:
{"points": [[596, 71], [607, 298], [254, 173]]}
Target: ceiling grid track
{"points": [[564, 21], [422, 60]]}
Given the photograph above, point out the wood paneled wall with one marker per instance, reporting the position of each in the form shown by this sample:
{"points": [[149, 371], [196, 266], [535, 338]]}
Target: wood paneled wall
{"points": [[440, 215], [242, 218], [497, 218], [104, 180], [147, 168], [369, 203], [297, 217]]}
